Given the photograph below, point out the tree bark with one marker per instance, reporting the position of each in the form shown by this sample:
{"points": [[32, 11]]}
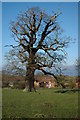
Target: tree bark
{"points": [[30, 78]]}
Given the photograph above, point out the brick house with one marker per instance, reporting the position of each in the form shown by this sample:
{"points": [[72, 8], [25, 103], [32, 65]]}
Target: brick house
{"points": [[77, 83], [44, 81]]}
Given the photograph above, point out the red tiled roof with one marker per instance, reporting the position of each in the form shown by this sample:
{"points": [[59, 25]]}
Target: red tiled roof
{"points": [[44, 78]]}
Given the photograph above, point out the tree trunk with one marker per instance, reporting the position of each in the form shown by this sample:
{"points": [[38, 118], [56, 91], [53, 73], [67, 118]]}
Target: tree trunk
{"points": [[30, 78], [31, 84]]}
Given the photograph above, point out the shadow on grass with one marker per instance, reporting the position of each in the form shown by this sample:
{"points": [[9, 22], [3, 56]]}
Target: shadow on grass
{"points": [[67, 91]]}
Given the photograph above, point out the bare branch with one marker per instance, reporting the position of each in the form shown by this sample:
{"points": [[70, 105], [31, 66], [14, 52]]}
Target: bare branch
{"points": [[50, 31], [29, 19], [25, 32], [48, 73], [39, 21], [11, 46]]}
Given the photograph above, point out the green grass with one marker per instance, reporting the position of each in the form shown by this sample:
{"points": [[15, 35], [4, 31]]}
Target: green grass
{"points": [[44, 103]]}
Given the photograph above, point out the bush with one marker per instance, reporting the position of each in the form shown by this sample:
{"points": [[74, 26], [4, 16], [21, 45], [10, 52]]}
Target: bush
{"points": [[5, 84], [19, 84], [72, 85]]}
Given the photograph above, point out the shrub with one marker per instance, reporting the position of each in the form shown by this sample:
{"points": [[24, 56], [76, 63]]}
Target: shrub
{"points": [[72, 85], [5, 84], [19, 84]]}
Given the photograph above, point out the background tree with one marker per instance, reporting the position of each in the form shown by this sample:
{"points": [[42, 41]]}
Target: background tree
{"points": [[13, 65], [78, 68], [39, 44], [78, 63]]}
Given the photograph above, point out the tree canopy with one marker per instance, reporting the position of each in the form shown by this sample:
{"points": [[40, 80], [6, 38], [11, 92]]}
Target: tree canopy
{"points": [[39, 43]]}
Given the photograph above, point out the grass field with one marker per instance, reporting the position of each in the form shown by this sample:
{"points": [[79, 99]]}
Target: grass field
{"points": [[45, 103]]}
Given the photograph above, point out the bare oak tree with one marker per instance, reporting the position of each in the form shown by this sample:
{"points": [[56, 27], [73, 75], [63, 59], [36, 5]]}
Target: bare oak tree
{"points": [[38, 42]]}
